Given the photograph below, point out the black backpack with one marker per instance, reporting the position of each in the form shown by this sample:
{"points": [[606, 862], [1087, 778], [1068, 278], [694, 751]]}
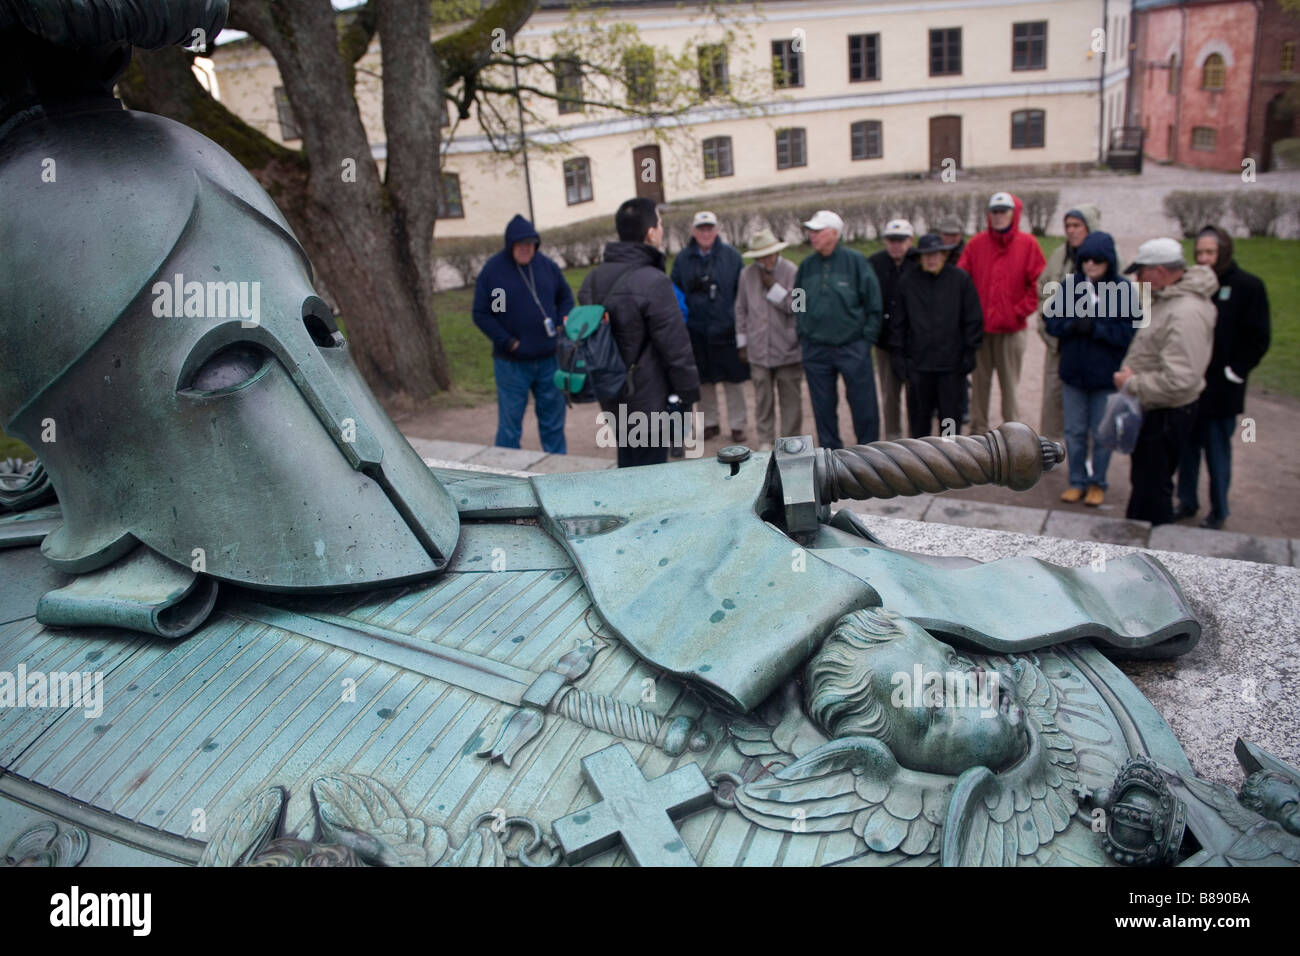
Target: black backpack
{"points": [[591, 367]]}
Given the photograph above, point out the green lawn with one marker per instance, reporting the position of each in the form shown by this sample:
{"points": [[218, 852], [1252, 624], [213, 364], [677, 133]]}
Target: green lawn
{"points": [[1273, 260]]}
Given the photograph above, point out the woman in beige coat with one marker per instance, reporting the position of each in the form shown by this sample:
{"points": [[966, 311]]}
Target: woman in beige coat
{"points": [[765, 334]]}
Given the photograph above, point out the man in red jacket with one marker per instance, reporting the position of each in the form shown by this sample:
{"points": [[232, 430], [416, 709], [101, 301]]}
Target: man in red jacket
{"points": [[1004, 263]]}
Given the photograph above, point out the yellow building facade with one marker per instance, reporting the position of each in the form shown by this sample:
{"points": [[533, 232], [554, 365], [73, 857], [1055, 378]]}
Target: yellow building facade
{"points": [[835, 90]]}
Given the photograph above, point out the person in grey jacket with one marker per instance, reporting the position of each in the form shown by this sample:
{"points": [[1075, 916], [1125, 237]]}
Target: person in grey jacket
{"points": [[765, 333], [647, 324]]}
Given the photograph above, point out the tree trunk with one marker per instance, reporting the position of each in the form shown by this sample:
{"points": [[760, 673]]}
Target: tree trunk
{"points": [[380, 279]]}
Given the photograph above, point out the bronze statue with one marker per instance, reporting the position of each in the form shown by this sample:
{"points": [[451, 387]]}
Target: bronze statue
{"points": [[371, 662]]}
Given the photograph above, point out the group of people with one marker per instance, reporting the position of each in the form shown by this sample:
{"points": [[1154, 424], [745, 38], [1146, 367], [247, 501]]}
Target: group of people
{"points": [[1181, 343], [943, 315]]}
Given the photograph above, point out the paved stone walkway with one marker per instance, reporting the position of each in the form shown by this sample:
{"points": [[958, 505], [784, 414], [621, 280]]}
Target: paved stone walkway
{"points": [[945, 509]]}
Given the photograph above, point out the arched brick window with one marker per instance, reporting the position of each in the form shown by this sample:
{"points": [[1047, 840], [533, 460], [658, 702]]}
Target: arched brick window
{"points": [[1213, 73]]}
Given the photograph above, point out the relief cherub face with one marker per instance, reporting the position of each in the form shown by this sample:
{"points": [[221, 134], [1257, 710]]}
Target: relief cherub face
{"points": [[880, 675]]}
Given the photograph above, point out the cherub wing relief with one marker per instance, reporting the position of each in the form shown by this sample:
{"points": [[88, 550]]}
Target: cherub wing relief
{"points": [[853, 783], [996, 818]]}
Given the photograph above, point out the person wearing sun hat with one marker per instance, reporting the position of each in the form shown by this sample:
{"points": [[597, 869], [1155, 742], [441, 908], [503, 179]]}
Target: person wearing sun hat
{"points": [[767, 338], [890, 263], [934, 336]]}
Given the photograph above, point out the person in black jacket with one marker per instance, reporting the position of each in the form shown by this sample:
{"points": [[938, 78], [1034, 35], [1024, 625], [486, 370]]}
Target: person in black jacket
{"points": [[1090, 316], [647, 325], [934, 334], [707, 272], [1241, 337], [890, 263]]}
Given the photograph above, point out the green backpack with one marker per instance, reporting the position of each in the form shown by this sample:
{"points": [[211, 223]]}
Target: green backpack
{"points": [[591, 367]]}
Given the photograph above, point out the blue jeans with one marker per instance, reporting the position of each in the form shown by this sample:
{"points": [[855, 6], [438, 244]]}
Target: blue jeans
{"points": [[1083, 412], [1215, 436], [821, 364], [514, 381]]}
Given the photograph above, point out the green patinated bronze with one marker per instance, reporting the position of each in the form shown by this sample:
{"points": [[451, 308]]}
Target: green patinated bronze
{"points": [[381, 664]]}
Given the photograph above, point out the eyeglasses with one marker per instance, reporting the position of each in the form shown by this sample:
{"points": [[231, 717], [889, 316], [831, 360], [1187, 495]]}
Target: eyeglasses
{"points": [[1094, 259]]}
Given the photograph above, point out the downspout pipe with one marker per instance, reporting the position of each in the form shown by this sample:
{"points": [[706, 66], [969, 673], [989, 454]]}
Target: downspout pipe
{"points": [[1101, 84], [1178, 85]]}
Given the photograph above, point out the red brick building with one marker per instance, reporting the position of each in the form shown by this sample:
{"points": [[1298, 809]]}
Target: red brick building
{"points": [[1209, 79]]}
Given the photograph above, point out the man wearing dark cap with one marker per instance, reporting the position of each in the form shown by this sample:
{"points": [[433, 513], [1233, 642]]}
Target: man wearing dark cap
{"points": [[935, 334], [953, 232], [1241, 337]]}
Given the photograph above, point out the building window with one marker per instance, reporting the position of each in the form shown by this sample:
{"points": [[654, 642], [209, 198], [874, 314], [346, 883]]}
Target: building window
{"points": [[1205, 137], [866, 139], [1173, 73], [639, 73], [1213, 73], [945, 52], [1029, 45], [1288, 56], [568, 84], [1027, 129], [864, 57], [577, 180], [791, 148], [449, 204], [288, 125], [1123, 34], [787, 65], [713, 69], [717, 157]]}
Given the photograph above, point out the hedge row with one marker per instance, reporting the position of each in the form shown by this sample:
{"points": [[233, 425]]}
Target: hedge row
{"points": [[582, 243], [1256, 210]]}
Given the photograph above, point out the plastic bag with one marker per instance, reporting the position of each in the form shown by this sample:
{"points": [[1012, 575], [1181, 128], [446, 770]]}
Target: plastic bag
{"points": [[1120, 423]]}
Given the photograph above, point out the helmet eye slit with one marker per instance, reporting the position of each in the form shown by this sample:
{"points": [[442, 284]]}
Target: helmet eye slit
{"points": [[318, 319], [229, 369]]}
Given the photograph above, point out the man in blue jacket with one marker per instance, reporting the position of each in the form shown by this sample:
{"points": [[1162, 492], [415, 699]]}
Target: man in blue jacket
{"points": [[521, 300]]}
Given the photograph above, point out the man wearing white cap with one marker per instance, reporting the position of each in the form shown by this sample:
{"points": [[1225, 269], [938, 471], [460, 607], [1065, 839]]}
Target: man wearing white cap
{"points": [[837, 304], [1164, 369], [890, 263], [707, 272], [1005, 264], [765, 332]]}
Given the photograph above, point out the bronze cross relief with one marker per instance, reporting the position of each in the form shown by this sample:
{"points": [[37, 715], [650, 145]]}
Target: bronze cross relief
{"points": [[637, 812]]}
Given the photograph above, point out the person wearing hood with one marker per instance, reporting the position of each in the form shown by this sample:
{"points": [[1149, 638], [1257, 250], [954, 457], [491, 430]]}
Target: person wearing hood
{"points": [[934, 335], [1079, 222], [521, 300], [1005, 264], [1089, 317], [1164, 369], [1241, 337]]}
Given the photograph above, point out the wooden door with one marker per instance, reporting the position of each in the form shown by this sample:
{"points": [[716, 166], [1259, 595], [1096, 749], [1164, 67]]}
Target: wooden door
{"points": [[648, 170], [945, 141]]}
